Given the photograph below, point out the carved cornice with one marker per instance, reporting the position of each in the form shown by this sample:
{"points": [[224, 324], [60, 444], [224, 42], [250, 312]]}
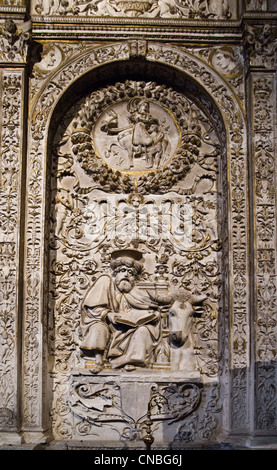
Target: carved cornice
{"points": [[123, 28], [12, 9], [186, 30]]}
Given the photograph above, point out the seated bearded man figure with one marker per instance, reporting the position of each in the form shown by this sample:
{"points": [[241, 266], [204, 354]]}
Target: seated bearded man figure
{"points": [[120, 319]]}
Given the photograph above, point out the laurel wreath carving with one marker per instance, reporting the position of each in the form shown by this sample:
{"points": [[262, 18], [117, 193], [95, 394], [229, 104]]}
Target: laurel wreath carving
{"points": [[114, 180]]}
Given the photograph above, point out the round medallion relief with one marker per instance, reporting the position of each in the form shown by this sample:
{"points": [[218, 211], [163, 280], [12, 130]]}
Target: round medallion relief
{"points": [[136, 135]]}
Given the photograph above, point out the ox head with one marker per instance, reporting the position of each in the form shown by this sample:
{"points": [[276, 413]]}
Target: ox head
{"points": [[180, 315]]}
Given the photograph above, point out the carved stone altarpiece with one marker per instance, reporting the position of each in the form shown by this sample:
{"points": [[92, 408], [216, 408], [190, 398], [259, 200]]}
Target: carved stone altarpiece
{"points": [[137, 222]]}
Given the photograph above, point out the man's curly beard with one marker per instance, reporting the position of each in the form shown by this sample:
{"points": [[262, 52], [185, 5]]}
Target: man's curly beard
{"points": [[125, 285]]}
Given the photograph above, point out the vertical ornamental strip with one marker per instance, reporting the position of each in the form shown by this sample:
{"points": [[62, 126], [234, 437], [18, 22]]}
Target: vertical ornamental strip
{"points": [[261, 44], [14, 40]]}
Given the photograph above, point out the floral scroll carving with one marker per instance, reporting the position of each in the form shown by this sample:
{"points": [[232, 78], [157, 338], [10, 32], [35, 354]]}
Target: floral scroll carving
{"points": [[263, 93], [9, 215]]}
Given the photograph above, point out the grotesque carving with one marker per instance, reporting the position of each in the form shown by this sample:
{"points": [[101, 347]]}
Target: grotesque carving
{"points": [[14, 41]]}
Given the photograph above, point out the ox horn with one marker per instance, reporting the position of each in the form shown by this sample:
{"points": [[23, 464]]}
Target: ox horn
{"points": [[198, 299], [161, 299]]}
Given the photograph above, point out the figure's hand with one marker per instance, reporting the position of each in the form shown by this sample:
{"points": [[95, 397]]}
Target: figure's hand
{"points": [[111, 316]]}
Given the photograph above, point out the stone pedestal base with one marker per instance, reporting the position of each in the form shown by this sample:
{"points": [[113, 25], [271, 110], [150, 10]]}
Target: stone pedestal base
{"points": [[10, 438], [127, 406]]}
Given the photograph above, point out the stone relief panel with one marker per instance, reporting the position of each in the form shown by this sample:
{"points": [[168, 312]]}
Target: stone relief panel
{"points": [[48, 60], [135, 263], [234, 120], [136, 135], [193, 9]]}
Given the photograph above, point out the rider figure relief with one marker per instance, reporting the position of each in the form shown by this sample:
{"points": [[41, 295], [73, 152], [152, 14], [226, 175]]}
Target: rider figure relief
{"points": [[142, 140]]}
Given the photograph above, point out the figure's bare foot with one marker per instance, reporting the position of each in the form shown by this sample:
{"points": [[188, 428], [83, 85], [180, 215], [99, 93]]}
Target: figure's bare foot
{"points": [[129, 367], [97, 369]]}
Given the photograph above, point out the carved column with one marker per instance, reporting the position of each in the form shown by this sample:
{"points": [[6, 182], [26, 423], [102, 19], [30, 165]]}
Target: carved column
{"points": [[261, 56], [14, 38]]}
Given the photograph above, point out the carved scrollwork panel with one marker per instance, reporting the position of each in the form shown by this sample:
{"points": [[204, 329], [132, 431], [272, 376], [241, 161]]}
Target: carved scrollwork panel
{"points": [[234, 120]]}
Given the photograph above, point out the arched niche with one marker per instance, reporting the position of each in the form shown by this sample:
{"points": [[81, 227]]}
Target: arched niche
{"points": [[65, 104]]}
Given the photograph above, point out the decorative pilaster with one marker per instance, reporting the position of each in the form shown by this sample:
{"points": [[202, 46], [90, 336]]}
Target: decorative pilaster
{"points": [[13, 53], [261, 46]]}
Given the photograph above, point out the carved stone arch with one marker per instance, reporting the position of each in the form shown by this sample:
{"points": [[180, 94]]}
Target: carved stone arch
{"points": [[71, 82]]}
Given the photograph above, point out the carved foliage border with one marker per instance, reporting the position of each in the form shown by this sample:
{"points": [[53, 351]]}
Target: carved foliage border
{"points": [[264, 109], [11, 82], [44, 104]]}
